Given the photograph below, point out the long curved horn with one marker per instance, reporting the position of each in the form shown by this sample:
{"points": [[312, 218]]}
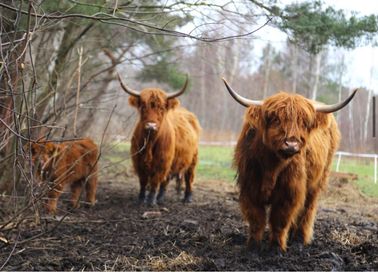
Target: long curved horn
{"points": [[126, 89], [335, 107], [180, 92], [242, 100]]}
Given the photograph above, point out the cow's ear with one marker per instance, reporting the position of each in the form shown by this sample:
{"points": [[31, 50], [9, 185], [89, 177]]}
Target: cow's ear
{"points": [[172, 103], [50, 148], [34, 148], [134, 101], [253, 116], [322, 120]]}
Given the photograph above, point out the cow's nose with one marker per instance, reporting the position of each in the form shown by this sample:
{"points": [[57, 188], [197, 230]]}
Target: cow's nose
{"points": [[150, 126], [290, 147]]}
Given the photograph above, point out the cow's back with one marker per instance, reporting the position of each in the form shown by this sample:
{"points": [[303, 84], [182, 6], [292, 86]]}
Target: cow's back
{"points": [[88, 150], [77, 159], [187, 130]]}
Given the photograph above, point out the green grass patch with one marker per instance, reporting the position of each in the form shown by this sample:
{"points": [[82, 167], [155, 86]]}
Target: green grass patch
{"points": [[117, 153], [118, 147], [364, 168], [215, 162]]}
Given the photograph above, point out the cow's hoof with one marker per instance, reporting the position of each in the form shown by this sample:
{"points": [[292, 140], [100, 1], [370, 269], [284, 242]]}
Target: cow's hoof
{"points": [[88, 206], [254, 246], [297, 242], [187, 199], [160, 201], [161, 197], [275, 251], [151, 201], [141, 201]]}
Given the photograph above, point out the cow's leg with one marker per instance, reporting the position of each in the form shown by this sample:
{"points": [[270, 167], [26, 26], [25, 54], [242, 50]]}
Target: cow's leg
{"points": [[53, 196], [143, 180], [155, 181], [179, 183], [284, 213], [306, 221], [256, 217], [151, 198], [161, 195], [76, 188], [91, 188], [308, 216], [189, 180]]}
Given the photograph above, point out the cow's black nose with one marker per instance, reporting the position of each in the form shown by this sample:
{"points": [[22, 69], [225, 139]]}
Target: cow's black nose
{"points": [[290, 147]]}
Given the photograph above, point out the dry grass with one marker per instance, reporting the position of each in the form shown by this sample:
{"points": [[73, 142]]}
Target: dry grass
{"points": [[346, 237]]}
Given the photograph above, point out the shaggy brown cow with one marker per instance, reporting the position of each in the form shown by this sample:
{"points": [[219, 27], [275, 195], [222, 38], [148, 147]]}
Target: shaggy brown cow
{"points": [[164, 143], [283, 157], [71, 163]]}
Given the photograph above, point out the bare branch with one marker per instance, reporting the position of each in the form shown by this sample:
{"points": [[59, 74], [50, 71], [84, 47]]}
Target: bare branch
{"points": [[115, 20]]}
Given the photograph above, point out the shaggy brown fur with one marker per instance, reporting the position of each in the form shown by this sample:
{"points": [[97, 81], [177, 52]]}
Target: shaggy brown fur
{"points": [[288, 184], [71, 163], [171, 149]]}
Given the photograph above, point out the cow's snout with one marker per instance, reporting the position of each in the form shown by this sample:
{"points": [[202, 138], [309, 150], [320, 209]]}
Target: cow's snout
{"points": [[290, 147], [151, 126]]}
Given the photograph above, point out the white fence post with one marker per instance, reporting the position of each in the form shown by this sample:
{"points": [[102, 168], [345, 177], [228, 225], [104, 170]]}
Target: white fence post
{"points": [[375, 169], [338, 163]]}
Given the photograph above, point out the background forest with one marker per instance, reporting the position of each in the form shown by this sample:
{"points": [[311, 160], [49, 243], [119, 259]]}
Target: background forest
{"points": [[59, 64]]}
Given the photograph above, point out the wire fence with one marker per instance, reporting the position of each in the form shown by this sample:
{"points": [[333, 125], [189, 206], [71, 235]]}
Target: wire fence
{"points": [[341, 154]]}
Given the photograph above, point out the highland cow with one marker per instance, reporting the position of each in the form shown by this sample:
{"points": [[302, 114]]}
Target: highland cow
{"points": [[164, 143], [283, 158]]}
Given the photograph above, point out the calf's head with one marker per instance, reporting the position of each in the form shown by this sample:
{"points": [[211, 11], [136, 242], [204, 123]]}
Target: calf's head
{"points": [[152, 104], [285, 120], [43, 157]]}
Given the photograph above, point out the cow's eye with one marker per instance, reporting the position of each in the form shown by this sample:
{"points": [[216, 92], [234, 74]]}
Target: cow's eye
{"points": [[307, 124], [274, 121], [153, 105]]}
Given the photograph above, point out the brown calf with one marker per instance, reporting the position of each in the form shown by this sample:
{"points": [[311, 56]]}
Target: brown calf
{"points": [[71, 163]]}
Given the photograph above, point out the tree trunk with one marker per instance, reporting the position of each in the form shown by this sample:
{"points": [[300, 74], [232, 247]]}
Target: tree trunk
{"points": [[294, 66], [67, 43], [203, 85], [340, 82], [351, 115], [370, 95], [318, 58], [267, 66], [12, 61]]}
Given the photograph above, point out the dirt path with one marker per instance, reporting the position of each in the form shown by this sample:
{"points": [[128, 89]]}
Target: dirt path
{"points": [[205, 235]]}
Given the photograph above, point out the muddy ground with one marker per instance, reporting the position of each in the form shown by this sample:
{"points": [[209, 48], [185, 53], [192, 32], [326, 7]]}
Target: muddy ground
{"points": [[206, 235]]}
